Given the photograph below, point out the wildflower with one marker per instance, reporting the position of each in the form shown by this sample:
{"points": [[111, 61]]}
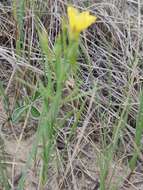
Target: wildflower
{"points": [[79, 21]]}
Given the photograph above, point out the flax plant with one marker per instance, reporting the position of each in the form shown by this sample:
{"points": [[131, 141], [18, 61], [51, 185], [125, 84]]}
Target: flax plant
{"points": [[59, 64]]}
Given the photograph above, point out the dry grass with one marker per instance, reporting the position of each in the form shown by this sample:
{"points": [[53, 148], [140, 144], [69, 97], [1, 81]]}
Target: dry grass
{"points": [[111, 58]]}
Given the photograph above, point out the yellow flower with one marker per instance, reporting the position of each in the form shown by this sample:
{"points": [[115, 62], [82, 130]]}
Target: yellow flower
{"points": [[79, 21]]}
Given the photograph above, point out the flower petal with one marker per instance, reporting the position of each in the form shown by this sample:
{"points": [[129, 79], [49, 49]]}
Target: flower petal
{"points": [[79, 21]]}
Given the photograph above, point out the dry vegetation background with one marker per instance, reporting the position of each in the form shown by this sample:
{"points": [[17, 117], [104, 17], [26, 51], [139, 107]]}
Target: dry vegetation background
{"points": [[111, 73]]}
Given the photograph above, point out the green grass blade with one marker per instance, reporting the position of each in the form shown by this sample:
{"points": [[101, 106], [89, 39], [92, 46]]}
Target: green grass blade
{"points": [[138, 134]]}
